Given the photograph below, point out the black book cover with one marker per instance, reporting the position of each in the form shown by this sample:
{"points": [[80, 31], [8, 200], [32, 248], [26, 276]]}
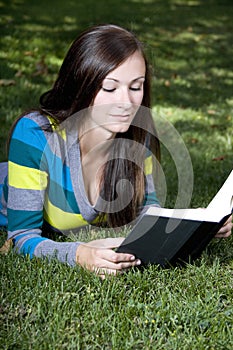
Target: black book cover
{"points": [[174, 236], [156, 246]]}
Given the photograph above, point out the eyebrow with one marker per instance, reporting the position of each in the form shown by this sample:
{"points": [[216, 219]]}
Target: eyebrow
{"points": [[117, 81]]}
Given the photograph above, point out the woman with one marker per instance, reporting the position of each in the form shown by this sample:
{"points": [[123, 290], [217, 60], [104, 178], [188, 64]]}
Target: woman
{"points": [[72, 162]]}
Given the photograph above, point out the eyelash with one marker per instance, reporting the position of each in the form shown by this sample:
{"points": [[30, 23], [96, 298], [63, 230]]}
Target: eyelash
{"points": [[108, 90], [111, 90], [135, 89]]}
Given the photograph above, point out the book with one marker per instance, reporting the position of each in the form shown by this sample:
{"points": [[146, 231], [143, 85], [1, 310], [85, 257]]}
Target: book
{"points": [[168, 237]]}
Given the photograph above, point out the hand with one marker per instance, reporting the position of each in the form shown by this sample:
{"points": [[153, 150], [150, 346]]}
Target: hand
{"points": [[98, 256], [225, 230]]}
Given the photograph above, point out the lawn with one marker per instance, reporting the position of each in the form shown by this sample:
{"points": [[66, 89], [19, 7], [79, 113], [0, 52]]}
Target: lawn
{"points": [[51, 306]]}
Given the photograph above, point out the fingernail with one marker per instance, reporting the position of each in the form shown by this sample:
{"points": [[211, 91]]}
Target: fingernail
{"points": [[138, 262], [132, 258]]}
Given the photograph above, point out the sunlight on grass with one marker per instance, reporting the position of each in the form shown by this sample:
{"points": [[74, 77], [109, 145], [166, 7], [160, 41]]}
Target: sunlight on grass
{"points": [[186, 2]]}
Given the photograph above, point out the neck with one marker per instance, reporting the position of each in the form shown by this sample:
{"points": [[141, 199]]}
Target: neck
{"points": [[96, 140]]}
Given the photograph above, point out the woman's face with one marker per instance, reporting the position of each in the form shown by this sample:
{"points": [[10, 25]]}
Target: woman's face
{"points": [[120, 95]]}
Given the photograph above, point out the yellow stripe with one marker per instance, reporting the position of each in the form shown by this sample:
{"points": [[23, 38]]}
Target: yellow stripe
{"points": [[26, 178], [56, 128], [148, 165], [61, 219]]}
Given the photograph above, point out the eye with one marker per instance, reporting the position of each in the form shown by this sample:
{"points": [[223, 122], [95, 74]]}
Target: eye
{"points": [[135, 88], [108, 90]]}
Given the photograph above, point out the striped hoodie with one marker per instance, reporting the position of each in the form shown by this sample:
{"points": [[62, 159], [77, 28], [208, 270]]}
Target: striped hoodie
{"points": [[44, 187]]}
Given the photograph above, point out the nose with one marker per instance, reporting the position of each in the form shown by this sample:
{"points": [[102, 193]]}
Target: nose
{"points": [[124, 97]]}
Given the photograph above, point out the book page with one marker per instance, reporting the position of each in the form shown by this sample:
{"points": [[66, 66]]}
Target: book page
{"points": [[220, 206], [223, 200], [199, 214]]}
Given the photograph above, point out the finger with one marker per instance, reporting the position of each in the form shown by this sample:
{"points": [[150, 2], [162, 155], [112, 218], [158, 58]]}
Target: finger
{"points": [[223, 235], [116, 261], [111, 256], [229, 220], [226, 228]]}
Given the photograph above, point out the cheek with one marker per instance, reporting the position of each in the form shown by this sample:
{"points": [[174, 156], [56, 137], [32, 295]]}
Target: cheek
{"points": [[101, 99], [137, 99]]}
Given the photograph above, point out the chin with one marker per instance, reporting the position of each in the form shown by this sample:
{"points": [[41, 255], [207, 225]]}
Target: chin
{"points": [[119, 128]]}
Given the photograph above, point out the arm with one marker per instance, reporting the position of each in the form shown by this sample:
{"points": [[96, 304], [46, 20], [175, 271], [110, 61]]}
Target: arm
{"points": [[28, 176], [27, 182]]}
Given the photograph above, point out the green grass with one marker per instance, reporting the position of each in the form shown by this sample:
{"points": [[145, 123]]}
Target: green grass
{"points": [[51, 306]]}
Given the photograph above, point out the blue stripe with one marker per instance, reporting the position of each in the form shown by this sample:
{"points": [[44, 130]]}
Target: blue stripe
{"points": [[18, 237], [1, 193], [30, 244], [58, 172], [5, 189], [3, 220], [35, 144], [34, 135]]}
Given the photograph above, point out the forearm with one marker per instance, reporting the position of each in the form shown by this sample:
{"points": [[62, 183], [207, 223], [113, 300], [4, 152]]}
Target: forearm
{"points": [[34, 245]]}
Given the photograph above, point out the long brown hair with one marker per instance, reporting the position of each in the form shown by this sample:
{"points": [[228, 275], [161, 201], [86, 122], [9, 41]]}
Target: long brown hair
{"points": [[92, 56]]}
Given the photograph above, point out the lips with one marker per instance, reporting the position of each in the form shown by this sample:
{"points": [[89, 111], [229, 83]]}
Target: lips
{"points": [[120, 116]]}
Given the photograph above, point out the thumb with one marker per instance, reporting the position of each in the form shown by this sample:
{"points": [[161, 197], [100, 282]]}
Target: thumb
{"points": [[106, 242]]}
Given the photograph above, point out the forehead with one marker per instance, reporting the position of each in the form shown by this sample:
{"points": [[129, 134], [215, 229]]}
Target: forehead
{"points": [[132, 68]]}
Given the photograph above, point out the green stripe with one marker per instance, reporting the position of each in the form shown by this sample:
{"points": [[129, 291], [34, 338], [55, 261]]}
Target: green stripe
{"points": [[19, 152], [62, 198], [150, 198], [5, 188], [24, 219]]}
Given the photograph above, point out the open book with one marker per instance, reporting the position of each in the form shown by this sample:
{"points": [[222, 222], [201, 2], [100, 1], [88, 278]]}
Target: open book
{"points": [[169, 236]]}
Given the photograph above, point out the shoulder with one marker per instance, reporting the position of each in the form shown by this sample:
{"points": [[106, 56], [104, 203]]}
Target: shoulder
{"points": [[31, 129], [33, 119]]}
